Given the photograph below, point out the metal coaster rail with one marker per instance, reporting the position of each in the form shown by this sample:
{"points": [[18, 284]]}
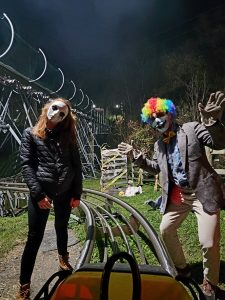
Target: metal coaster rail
{"points": [[111, 225]]}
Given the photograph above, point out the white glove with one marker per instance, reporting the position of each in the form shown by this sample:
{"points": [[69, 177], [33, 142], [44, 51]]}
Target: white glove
{"points": [[213, 110], [125, 148], [130, 150]]}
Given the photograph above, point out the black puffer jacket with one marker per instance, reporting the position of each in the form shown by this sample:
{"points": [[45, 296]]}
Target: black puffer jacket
{"points": [[50, 166]]}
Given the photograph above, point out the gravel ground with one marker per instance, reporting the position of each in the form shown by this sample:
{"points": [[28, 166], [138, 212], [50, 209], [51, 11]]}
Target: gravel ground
{"points": [[46, 264]]}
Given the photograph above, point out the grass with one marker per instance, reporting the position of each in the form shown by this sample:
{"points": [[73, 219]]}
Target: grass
{"points": [[187, 232], [13, 230]]}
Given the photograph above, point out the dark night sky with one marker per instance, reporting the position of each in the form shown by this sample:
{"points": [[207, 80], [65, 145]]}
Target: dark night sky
{"points": [[87, 38]]}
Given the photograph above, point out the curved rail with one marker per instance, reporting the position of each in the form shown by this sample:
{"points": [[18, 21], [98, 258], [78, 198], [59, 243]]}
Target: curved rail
{"points": [[12, 35], [107, 220], [121, 232], [158, 245], [103, 211], [81, 98], [92, 106], [63, 80], [75, 89], [88, 102], [88, 246], [45, 67]]}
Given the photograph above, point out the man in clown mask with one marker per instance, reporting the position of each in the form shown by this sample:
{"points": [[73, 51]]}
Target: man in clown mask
{"points": [[51, 168], [189, 183]]}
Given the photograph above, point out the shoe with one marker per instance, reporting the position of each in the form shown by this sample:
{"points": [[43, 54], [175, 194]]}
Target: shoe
{"points": [[184, 272], [24, 292], [64, 264], [151, 203], [209, 290]]}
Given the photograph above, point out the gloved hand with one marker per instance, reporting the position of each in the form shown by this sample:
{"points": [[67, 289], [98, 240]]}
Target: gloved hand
{"points": [[130, 150], [74, 202], [125, 148], [213, 110]]}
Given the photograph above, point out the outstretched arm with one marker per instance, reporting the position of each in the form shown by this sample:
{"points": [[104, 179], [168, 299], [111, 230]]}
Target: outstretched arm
{"points": [[139, 158]]}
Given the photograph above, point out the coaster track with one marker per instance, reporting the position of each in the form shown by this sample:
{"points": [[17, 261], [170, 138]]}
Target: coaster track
{"points": [[111, 226], [27, 81]]}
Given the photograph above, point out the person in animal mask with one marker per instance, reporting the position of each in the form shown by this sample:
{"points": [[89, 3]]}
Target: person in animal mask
{"points": [[51, 168], [189, 183]]}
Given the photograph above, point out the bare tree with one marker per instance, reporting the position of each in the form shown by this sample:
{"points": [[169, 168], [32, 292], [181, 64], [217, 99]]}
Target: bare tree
{"points": [[196, 91]]}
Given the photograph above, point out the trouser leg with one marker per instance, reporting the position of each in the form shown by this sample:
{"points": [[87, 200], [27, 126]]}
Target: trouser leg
{"points": [[209, 238], [171, 221], [37, 219], [62, 213]]}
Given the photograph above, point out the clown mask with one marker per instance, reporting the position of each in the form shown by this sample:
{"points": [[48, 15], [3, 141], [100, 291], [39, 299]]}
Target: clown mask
{"points": [[57, 112], [162, 122]]}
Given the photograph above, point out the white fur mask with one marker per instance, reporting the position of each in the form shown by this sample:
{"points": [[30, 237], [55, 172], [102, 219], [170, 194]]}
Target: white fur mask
{"points": [[57, 111]]}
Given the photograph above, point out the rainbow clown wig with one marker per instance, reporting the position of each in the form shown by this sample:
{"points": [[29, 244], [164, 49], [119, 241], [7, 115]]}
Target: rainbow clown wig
{"points": [[157, 105]]}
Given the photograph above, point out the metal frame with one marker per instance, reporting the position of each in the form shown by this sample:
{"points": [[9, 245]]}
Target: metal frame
{"points": [[22, 98]]}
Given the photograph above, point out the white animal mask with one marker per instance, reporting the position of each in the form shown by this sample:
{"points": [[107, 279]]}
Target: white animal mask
{"points": [[57, 112]]}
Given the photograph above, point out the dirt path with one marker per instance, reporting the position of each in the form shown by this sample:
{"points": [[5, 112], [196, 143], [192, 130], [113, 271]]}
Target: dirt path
{"points": [[46, 264]]}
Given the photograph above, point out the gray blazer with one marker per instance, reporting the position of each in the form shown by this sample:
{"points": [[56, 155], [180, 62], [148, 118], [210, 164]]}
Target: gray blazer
{"points": [[204, 181]]}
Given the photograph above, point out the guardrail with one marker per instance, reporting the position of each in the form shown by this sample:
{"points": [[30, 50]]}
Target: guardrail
{"points": [[112, 225], [13, 198]]}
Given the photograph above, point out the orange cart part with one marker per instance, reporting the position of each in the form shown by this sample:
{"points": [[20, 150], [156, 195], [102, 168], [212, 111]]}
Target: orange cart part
{"points": [[85, 285]]}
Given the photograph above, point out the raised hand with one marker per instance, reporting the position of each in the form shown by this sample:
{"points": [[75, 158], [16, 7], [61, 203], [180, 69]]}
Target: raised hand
{"points": [[213, 110]]}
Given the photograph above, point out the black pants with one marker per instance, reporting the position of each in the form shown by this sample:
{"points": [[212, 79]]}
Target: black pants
{"points": [[37, 219]]}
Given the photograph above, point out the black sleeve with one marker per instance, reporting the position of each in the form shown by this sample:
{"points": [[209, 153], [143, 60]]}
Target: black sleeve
{"points": [[77, 185], [29, 164]]}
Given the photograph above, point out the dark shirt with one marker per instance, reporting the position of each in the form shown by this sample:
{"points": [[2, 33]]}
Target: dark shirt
{"points": [[176, 169]]}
